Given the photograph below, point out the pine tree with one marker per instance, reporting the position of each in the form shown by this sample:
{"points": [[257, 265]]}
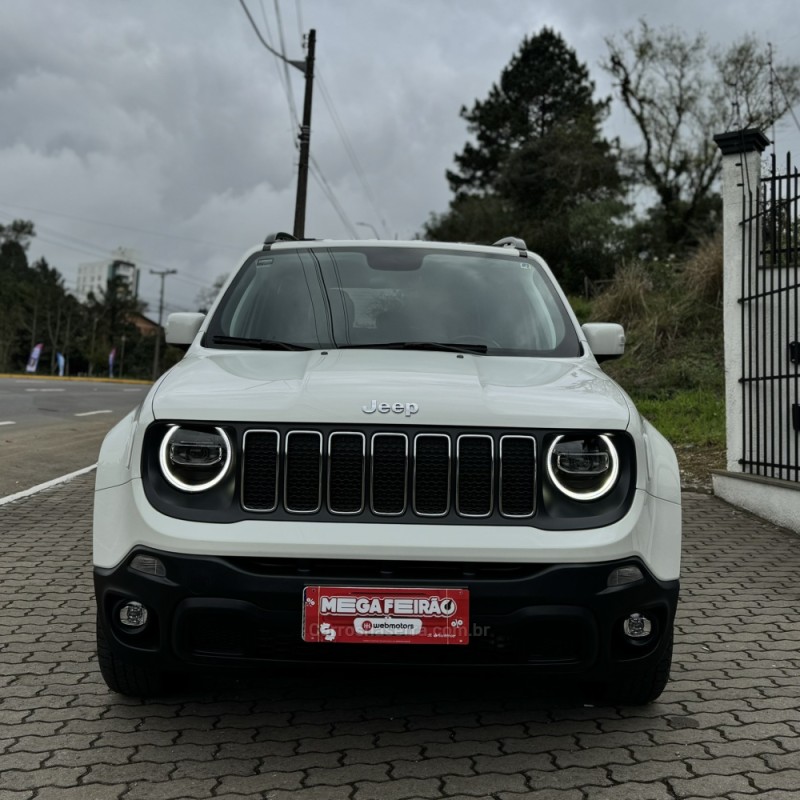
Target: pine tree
{"points": [[539, 166]]}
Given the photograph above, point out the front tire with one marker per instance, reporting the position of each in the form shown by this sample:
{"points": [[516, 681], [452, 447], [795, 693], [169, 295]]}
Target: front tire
{"points": [[130, 680], [645, 686]]}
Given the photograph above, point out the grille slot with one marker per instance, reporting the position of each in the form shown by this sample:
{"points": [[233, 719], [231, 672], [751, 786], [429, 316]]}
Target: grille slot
{"points": [[303, 483], [346, 453], [475, 476], [260, 481], [517, 476], [389, 478], [432, 474]]}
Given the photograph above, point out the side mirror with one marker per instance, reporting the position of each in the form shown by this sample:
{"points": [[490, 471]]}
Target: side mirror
{"points": [[182, 327], [606, 339]]}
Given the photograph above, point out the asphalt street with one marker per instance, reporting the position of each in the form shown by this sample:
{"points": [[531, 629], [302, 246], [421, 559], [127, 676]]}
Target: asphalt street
{"points": [[51, 427]]}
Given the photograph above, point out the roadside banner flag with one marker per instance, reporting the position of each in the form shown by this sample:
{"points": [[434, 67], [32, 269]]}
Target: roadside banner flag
{"points": [[61, 361], [111, 357], [33, 359]]}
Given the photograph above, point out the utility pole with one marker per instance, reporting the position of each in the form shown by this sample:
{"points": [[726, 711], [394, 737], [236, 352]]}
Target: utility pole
{"points": [[157, 355], [307, 68], [305, 137]]}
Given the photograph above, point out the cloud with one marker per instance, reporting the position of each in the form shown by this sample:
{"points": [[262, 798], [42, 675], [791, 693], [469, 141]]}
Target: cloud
{"points": [[171, 118]]}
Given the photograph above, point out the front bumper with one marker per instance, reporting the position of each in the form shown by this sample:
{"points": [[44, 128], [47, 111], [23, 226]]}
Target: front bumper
{"points": [[240, 611]]}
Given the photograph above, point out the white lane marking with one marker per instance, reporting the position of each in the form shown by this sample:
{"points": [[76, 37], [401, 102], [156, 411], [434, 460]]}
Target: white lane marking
{"points": [[45, 390], [89, 413], [8, 422], [131, 390], [42, 486]]}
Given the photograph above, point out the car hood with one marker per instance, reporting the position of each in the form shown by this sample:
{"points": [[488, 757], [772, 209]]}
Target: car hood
{"points": [[426, 388]]}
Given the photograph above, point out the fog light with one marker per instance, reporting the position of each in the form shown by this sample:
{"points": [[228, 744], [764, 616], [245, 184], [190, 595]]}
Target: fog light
{"points": [[133, 615], [149, 565], [622, 575], [637, 626]]}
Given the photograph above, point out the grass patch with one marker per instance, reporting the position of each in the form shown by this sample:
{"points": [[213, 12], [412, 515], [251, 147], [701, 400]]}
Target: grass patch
{"points": [[687, 416], [582, 307]]}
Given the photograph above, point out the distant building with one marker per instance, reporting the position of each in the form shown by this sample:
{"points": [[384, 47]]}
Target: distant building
{"points": [[95, 277], [145, 325]]}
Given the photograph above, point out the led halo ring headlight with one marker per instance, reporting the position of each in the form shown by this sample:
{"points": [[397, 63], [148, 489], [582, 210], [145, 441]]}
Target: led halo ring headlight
{"points": [[591, 473], [207, 454]]}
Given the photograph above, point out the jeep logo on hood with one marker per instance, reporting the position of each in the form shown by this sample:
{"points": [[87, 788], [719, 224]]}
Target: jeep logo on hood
{"points": [[408, 409]]}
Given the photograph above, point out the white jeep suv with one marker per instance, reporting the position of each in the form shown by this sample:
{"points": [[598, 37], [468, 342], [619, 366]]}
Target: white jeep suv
{"points": [[398, 452]]}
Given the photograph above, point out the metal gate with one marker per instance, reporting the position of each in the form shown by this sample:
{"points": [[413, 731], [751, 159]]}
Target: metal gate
{"points": [[771, 339]]}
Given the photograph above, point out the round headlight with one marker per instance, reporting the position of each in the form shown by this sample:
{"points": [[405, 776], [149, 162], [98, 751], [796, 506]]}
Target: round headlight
{"points": [[194, 459], [583, 467]]}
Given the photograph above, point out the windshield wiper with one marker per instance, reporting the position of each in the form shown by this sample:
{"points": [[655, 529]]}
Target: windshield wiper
{"points": [[445, 346], [258, 344]]}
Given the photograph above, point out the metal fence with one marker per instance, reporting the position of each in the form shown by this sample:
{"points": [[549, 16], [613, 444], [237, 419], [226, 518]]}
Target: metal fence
{"points": [[771, 339]]}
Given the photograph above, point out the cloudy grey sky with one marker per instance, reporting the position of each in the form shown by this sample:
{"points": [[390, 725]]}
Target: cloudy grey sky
{"points": [[164, 127]]}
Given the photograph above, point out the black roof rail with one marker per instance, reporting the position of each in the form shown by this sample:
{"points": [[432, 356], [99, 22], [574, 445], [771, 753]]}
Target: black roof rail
{"points": [[513, 241], [279, 236]]}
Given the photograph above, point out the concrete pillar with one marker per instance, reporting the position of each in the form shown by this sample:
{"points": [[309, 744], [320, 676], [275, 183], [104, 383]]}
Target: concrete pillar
{"points": [[741, 173]]}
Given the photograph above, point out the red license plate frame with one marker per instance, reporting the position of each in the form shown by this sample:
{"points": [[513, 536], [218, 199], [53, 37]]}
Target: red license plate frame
{"points": [[385, 615]]}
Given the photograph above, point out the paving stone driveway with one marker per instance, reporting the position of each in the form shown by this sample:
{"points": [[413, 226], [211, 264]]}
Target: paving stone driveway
{"points": [[728, 725]]}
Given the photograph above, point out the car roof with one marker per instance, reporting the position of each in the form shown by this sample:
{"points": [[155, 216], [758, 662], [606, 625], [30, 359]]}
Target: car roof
{"points": [[468, 247]]}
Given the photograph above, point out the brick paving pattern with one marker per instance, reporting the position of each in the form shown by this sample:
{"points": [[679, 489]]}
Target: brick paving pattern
{"points": [[728, 725]]}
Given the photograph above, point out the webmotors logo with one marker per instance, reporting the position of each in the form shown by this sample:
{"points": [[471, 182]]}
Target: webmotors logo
{"points": [[396, 606]]}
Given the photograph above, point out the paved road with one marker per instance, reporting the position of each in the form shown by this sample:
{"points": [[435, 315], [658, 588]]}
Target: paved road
{"points": [[728, 725], [49, 428]]}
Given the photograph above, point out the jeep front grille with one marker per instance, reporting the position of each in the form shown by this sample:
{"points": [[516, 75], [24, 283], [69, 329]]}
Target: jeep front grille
{"points": [[389, 474]]}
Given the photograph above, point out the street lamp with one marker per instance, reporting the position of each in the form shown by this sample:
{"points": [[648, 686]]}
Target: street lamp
{"points": [[370, 226]]}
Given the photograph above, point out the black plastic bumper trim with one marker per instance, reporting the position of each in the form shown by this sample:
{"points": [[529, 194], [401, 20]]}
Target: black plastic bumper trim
{"points": [[239, 611]]}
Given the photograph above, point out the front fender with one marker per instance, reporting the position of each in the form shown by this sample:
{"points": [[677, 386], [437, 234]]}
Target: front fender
{"points": [[663, 473], [114, 461]]}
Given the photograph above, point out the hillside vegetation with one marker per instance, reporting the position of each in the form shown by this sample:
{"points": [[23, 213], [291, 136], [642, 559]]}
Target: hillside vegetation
{"points": [[673, 366]]}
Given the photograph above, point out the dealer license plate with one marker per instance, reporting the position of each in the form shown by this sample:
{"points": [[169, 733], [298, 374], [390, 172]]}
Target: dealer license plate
{"points": [[385, 616]]}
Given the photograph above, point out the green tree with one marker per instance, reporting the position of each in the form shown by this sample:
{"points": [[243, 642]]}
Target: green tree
{"points": [[680, 92], [19, 231], [539, 166], [109, 316], [50, 303], [35, 307], [16, 293]]}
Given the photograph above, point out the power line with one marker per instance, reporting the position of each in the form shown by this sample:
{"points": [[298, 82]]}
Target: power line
{"points": [[287, 88], [286, 63], [116, 225], [351, 153], [150, 301], [186, 278], [94, 250], [786, 98], [300, 27], [263, 41], [327, 190]]}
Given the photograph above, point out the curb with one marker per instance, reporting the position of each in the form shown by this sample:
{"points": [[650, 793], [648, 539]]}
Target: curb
{"points": [[33, 377]]}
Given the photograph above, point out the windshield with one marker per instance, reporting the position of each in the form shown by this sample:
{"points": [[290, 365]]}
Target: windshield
{"points": [[329, 297]]}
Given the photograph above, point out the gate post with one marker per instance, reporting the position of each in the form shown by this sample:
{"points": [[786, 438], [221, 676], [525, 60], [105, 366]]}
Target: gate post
{"points": [[741, 176], [747, 283]]}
